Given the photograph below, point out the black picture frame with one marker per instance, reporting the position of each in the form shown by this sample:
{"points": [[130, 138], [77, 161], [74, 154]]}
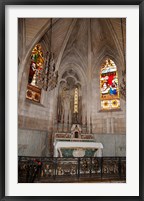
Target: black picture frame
{"points": [[3, 3]]}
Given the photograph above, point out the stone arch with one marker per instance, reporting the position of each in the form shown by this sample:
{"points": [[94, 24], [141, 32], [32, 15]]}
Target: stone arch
{"points": [[76, 68], [66, 74], [101, 59], [36, 39]]}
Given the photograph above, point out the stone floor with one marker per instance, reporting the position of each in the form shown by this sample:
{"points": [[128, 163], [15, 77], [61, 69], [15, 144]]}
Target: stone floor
{"points": [[80, 180]]}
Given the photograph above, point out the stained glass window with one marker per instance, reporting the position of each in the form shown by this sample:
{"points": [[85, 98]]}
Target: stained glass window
{"points": [[35, 74], [76, 100], [109, 89]]}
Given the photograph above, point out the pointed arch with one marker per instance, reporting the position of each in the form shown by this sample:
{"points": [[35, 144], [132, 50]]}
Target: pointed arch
{"points": [[33, 91], [109, 86]]}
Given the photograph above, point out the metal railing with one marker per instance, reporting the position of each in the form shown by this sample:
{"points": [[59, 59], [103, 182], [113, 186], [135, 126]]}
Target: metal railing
{"points": [[76, 169]]}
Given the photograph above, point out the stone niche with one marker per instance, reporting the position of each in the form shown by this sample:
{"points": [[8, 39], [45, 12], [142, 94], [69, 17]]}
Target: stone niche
{"points": [[76, 131]]}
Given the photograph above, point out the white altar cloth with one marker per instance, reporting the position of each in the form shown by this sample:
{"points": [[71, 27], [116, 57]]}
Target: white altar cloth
{"points": [[74, 144]]}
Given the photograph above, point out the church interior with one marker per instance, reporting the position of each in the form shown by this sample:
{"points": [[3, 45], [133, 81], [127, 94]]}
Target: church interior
{"points": [[71, 99]]}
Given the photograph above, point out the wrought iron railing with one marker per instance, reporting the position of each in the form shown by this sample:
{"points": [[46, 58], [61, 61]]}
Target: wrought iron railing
{"points": [[56, 169]]}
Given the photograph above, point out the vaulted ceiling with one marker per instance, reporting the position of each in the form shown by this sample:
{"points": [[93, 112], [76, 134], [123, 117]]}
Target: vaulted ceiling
{"points": [[74, 39], [83, 42]]}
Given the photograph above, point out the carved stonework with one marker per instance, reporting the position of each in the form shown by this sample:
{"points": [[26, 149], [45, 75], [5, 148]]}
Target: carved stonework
{"points": [[76, 131], [79, 153], [123, 88], [33, 93]]}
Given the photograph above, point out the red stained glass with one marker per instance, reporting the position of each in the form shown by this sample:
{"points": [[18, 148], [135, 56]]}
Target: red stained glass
{"points": [[109, 84]]}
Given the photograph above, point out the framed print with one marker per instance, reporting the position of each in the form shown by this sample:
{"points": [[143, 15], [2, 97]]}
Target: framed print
{"points": [[72, 102]]}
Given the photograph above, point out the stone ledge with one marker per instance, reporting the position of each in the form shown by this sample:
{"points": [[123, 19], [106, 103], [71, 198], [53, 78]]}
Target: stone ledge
{"points": [[111, 110]]}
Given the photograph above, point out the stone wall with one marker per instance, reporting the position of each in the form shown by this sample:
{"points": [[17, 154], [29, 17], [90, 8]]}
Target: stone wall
{"points": [[32, 143], [37, 143], [113, 144]]}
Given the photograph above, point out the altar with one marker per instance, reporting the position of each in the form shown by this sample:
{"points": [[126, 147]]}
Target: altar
{"points": [[76, 144]]}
